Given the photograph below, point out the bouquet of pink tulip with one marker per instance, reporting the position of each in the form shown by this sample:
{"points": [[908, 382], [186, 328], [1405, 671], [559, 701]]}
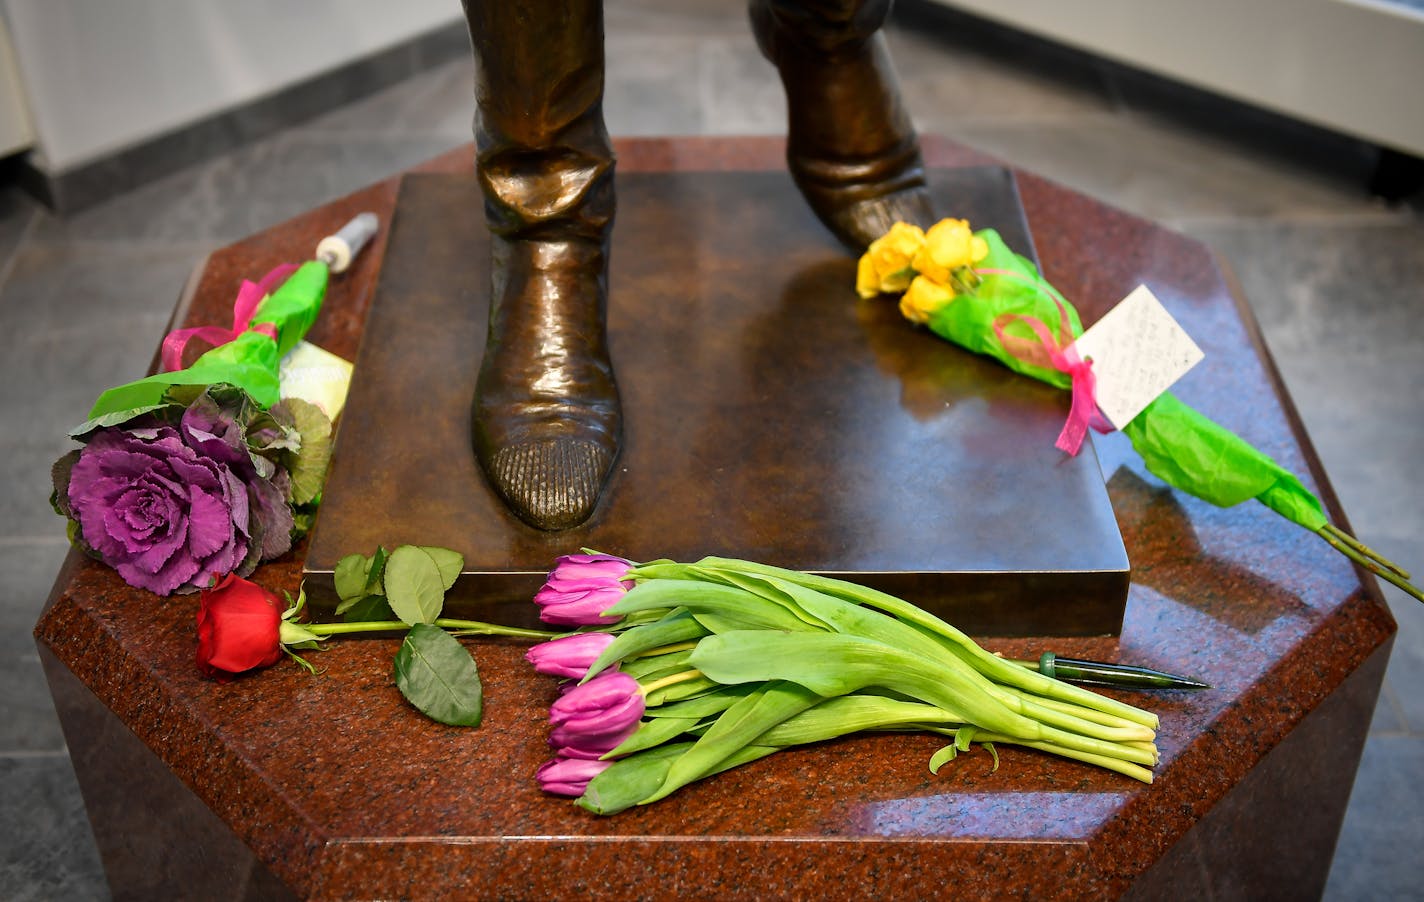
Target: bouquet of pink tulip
{"points": [[693, 669]]}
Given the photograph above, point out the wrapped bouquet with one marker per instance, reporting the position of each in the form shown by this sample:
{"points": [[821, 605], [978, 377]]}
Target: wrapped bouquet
{"points": [[968, 287], [198, 472]]}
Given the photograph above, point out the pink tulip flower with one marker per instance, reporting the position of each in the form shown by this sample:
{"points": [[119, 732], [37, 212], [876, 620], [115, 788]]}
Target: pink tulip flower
{"points": [[592, 719], [570, 656], [569, 776], [580, 588]]}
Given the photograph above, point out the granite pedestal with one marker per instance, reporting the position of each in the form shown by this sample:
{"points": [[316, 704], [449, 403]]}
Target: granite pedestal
{"points": [[286, 785]]}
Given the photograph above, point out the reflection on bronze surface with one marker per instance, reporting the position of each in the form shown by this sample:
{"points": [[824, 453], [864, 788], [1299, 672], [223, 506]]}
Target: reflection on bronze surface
{"points": [[547, 416]]}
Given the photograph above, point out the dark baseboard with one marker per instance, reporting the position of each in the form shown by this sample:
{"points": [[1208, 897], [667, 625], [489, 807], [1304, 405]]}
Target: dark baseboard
{"points": [[91, 183]]}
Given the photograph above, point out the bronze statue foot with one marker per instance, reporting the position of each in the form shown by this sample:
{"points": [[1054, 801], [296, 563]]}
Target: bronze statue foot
{"points": [[547, 420], [860, 202], [851, 147]]}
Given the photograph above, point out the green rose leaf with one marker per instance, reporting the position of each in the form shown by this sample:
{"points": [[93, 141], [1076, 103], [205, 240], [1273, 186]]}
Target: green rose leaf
{"points": [[350, 578], [366, 609], [375, 580], [437, 675], [449, 562], [414, 586]]}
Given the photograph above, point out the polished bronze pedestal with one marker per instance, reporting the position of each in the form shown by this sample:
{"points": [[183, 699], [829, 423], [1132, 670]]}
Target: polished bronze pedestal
{"points": [[769, 414]]}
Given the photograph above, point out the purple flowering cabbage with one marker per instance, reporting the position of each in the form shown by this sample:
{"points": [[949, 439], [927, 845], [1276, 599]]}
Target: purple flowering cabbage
{"points": [[176, 497]]}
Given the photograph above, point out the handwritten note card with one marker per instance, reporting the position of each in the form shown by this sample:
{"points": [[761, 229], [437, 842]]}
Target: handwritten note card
{"points": [[1138, 351]]}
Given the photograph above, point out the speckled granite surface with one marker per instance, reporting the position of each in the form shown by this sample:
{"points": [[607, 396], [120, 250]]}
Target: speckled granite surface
{"points": [[340, 791]]}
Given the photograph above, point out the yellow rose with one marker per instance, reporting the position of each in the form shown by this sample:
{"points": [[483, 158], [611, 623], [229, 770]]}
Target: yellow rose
{"points": [[949, 245], [923, 298], [885, 265]]}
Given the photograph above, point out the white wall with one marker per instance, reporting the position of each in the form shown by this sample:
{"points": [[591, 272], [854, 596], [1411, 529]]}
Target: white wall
{"points": [[100, 75], [16, 133], [1356, 66]]}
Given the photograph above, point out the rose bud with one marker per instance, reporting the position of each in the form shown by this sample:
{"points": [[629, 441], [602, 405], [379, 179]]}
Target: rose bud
{"points": [[239, 628]]}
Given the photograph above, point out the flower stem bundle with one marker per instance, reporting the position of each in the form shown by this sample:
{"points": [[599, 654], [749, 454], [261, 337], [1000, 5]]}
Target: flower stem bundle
{"points": [[714, 664]]}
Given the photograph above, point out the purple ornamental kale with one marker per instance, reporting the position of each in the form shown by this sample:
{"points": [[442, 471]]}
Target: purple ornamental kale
{"points": [[171, 507]]}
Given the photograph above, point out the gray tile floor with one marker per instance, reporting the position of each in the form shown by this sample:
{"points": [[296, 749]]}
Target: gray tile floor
{"points": [[1333, 274]]}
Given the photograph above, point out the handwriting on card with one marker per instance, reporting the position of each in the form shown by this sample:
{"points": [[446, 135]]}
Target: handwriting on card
{"points": [[1138, 351]]}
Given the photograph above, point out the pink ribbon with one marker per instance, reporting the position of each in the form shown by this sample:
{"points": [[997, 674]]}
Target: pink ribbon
{"points": [[1059, 354], [248, 297]]}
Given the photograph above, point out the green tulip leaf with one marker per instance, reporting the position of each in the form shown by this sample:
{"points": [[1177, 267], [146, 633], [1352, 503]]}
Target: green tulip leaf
{"points": [[851, 714], [678, 691], [437, 675], [676, 627], [414, 586], [655, 667], [714, 702], [738, 727], [777, 592], [631, 779], [652, 733], [942, 757], [713, 598], [833, 664]]}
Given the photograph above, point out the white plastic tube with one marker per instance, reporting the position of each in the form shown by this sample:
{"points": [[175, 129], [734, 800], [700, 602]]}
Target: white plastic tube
{"points": [[337, 251]]}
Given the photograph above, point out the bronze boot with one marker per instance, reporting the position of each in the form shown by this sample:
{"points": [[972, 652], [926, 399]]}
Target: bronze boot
{"points": [[851, 147], [547, 420]]}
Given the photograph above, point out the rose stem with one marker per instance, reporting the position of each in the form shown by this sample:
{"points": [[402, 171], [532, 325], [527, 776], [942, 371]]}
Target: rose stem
{"points": [[468, 626]]}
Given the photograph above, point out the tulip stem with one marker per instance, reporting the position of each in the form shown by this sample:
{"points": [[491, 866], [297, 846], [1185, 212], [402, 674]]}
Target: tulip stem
{"points": [[466, 627], [670, 680], [1367, 551], [1384, 570], [665, 650]]}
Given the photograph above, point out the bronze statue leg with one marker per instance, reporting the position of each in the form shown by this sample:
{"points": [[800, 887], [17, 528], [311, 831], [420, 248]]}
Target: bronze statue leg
{"points": [[850, 144], [547, 420]]}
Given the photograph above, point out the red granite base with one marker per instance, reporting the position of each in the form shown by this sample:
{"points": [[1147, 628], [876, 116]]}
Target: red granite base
{"points": [[156, 839], [339, 790]]}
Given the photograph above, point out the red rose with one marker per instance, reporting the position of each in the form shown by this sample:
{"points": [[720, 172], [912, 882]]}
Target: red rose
{"points": [[239, 628]]}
